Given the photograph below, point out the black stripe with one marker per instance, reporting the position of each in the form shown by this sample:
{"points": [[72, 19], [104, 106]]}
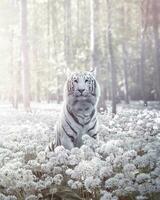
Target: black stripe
{"points": [[49, 148], [93, 112], [82, 117], [52, 146], [70, 136], [95, 85], [92, 86], [66, 131], [89, 101], [68, 86], [93, 126], [58, 141], [94, 136], [70, 125], [75, 119], [88, 122], [76, 101]]}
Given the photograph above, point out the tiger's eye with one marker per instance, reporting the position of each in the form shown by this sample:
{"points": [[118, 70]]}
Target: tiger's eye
{"points": [[75, 81], [86, 80]]}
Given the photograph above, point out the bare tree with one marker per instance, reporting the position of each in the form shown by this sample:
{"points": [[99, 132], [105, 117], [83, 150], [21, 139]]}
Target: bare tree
{"points": [[92, 35], [48, 28], [144, 17], [142, 71], [112, 61], [12, 89], [35, 54], [125, 52], [95, 49], [25, 56], [156, 21], [67, 32]]}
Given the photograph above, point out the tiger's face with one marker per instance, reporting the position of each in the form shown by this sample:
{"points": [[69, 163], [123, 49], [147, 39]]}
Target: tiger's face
{"points": [[81, 85]]}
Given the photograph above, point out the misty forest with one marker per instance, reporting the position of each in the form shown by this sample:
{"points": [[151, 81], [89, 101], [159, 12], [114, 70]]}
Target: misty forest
{"points": [[42, 42]]}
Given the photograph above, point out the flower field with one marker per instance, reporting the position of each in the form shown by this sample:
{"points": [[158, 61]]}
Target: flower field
{"points": [[123, 164]]}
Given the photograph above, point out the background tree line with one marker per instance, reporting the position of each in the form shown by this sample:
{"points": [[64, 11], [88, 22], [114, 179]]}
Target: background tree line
{"points": [[42, 39]]}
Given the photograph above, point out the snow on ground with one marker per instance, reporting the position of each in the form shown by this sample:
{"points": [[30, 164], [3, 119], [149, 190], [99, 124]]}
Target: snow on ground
{"points": [[124, 162]]}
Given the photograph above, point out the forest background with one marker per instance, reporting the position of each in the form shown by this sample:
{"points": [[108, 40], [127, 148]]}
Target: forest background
{"points": [[43, 39]]}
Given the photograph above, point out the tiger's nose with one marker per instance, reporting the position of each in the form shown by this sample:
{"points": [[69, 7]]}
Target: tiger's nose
{"points": [[81, 90]]}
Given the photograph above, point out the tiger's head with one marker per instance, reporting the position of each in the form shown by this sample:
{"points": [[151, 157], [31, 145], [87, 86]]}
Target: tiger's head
{"points": [[81, 89], [82, 84]]}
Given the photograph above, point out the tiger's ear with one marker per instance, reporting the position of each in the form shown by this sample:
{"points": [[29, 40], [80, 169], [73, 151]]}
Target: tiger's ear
{"points": [[93, 71]]}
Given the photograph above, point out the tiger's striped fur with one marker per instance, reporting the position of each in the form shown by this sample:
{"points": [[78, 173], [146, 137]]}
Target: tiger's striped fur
{"points": [[78, 117]]}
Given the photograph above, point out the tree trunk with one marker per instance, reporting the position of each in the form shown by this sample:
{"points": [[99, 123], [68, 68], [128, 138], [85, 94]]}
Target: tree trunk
{"points": [[92, 36], [142, 73], [125, 68], [14, 76], [67, 33], [54, 51], [142, 62], [48, 29], [38, 87], [12, 73], [95, 51], [78, 18], [157, 46], [25, 56], [35, 56], [113, 67], [125, 53]]}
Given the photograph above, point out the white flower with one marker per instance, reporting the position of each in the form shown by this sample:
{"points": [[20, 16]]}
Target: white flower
{"points": [[142, 178], [129, 189], [70, 183], [106, 171], [69, 172], [130, 170], [157, 120], [140, 122], [58, 179], [61, 155], [108, 196], [111, 146], [111, 183], [74, 159], [89, 141], [91, 183], [86, 153], [8, 197], [49, 180], [57, 170], [75, 151], [41, 156]]}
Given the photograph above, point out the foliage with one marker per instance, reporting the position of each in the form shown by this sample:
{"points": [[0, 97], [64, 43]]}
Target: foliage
{"points": [[123, 164]]}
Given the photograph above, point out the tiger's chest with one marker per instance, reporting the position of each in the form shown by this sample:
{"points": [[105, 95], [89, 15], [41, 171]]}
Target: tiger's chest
{"points": [[83, 109], [78, 119]]}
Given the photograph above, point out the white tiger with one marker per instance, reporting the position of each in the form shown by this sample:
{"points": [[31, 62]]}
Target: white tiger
{"points": [[78, 117]]}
